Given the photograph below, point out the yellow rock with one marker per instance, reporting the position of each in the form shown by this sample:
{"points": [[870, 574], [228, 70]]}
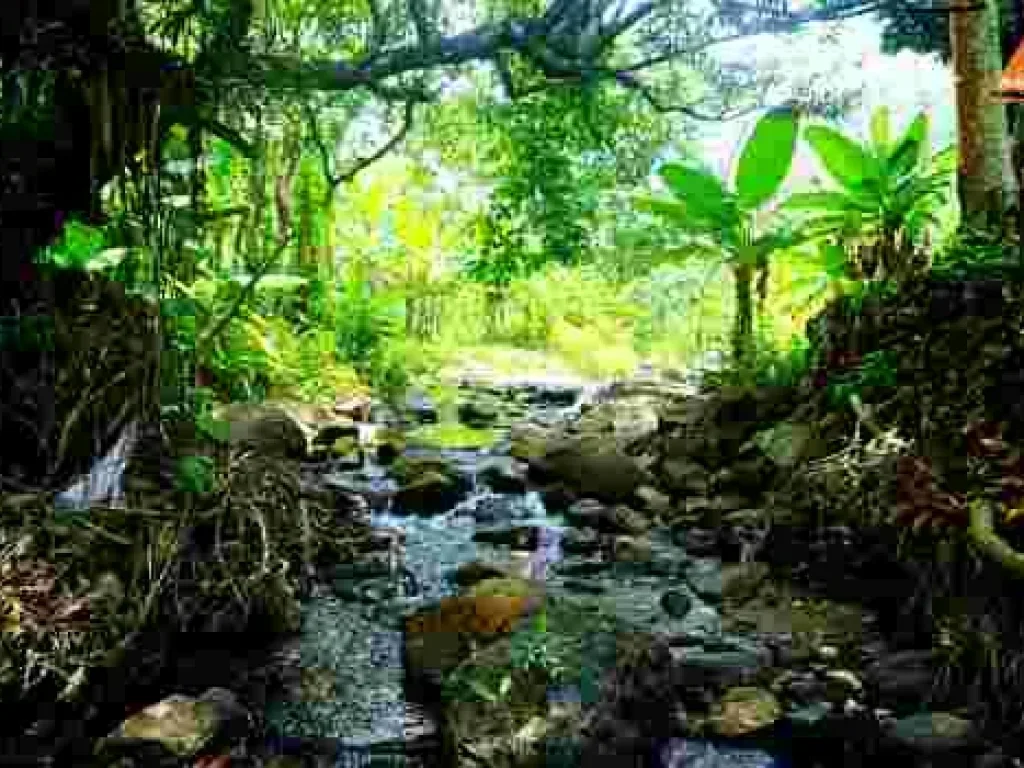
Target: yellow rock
{"points": [[182, 725], [743, 710]]}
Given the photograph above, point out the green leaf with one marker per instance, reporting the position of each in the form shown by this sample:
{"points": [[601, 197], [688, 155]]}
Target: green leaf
{"points": [[681, 215], [823, 201], [844, 159], [106, 259], [766, 158], [834, 260], [880, 135], [911, 148], [701, 192]]}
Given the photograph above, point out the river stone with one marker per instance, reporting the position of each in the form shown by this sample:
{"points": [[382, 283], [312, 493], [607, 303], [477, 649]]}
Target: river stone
{"points": [[181, 725], [631, 549], [624, 520], [586, 513], [430, 493], [332, 431], [705, 578], [686, 477], [501, 476], [934, 732], [676, 603], [745, 710], [421, 407], [653, 501], [478, 413], [583, 541], [517, 537], [473, 573], [438, 638], [598, 472], [698, 542]]}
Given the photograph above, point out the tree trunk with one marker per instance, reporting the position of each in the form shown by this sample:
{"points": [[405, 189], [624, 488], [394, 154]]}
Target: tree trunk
{"points": [[744, 323], [984, 160]]}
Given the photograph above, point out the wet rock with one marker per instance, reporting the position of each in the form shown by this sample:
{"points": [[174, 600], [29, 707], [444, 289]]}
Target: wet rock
{"points": [[473, 573], [931, 733], [683, 476], [529, 441], [697, 542], [653, 502], [438, 638], [749, 477], [740, 582], [745, 710], [581, 541], [624, 520], [842, 684], [329, 433], [478, 413], [501, 475], [355, 407], [421, 408], [517, 537], [631, 549], [601, 473], [430, 493], [586, 513], [508, 586], [676, 603], [180, 725], [557, 498], [346, 453], [705, 578]]}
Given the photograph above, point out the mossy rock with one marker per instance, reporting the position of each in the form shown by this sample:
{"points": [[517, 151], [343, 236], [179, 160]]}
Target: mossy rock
{"points": [[181, 725], [345, 447], [452, 436], [508, 585], [406, 469], [430, 493], [745, 710]]}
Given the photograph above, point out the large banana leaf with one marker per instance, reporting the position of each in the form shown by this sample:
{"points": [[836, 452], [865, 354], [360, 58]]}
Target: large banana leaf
{"points": [[880, 130], [825, 201], [766, 158], [701, 191], [845, 160], [681, 215], [911, 149]]}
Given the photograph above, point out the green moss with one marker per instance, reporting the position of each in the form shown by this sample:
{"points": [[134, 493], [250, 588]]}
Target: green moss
{"points": [[451, 435]]}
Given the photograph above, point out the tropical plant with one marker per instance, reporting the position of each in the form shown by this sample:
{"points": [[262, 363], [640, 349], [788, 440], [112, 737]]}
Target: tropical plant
{"points": [[888, 198], [735, 220]]}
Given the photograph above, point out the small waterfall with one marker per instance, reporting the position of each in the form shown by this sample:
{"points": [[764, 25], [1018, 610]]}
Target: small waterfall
{"points": [[105, 481]]}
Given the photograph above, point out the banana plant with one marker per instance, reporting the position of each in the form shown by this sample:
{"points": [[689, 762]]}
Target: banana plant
{"points": [[738, 218], [888, 193]]}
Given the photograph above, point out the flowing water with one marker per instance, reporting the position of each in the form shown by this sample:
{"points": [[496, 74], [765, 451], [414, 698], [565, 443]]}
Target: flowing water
{"points": [[351, 639]]}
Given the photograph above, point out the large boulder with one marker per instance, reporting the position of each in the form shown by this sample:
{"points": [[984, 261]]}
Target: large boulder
{"points": [[179, 726], [594, 470], [438, 638], [267, 430], [429, 494]]}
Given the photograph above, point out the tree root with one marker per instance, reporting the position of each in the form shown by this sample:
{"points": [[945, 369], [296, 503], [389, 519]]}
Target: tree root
{"points": [[983, 535]]}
